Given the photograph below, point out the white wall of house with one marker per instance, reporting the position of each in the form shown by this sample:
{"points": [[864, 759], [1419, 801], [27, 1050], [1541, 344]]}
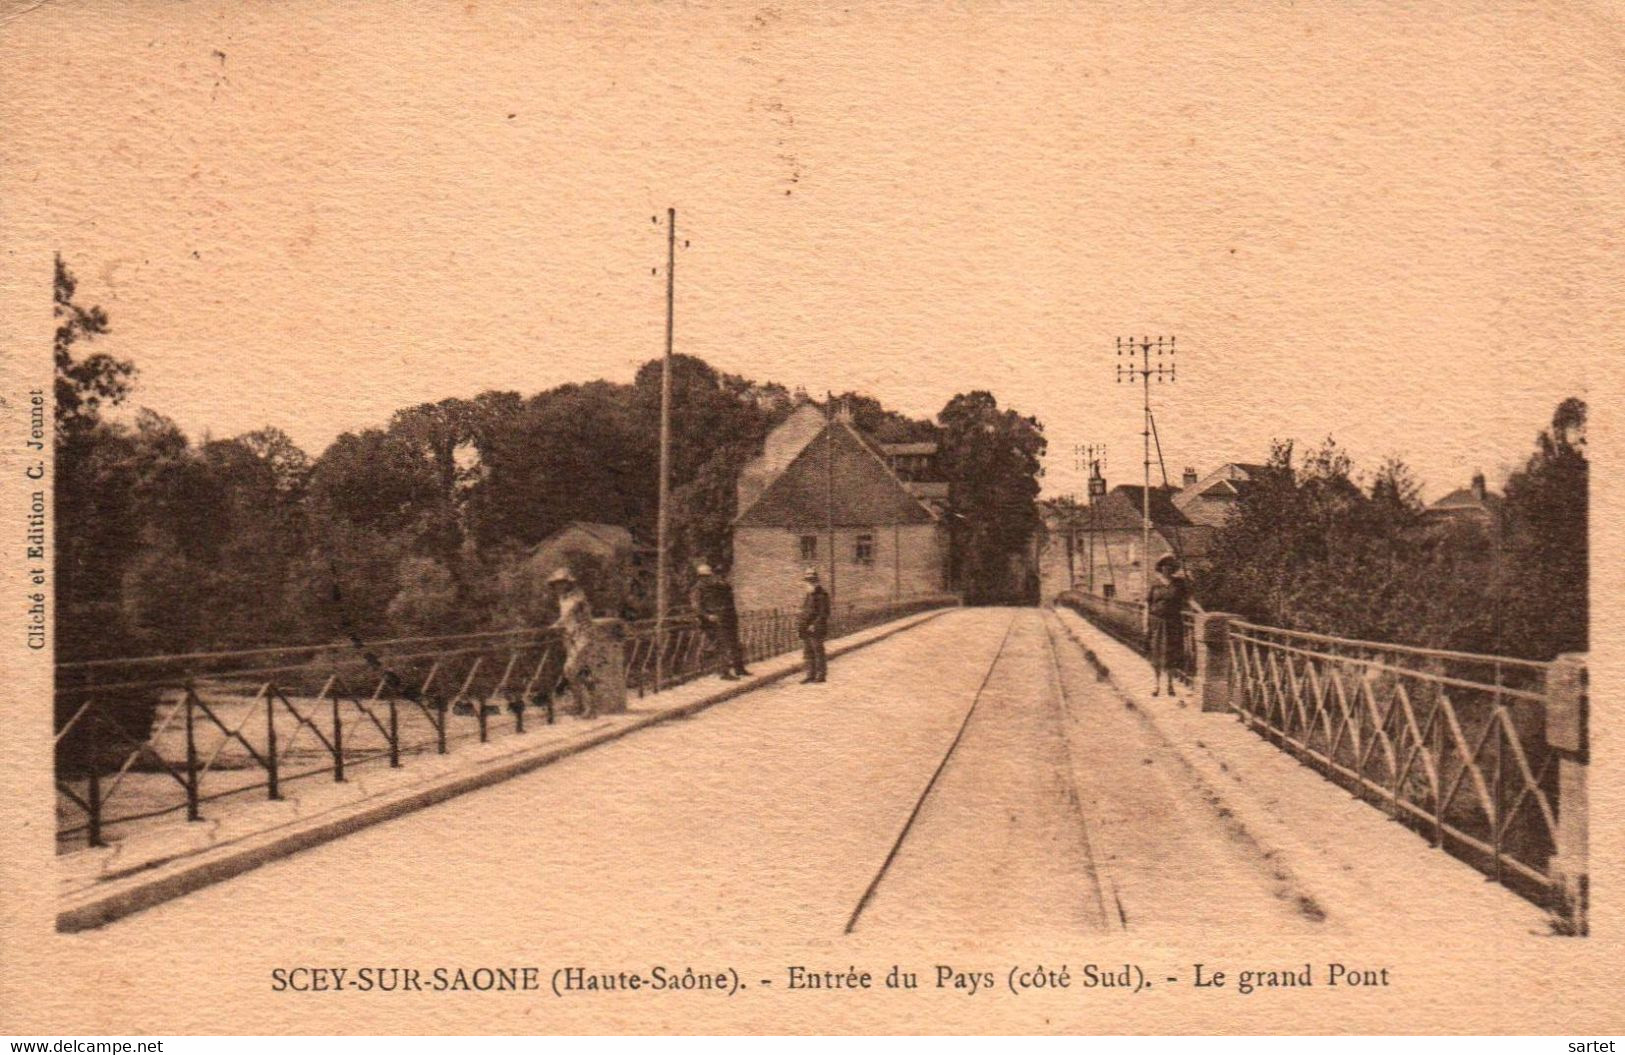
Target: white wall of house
{"points": [[902, 561], [1118, 562]]}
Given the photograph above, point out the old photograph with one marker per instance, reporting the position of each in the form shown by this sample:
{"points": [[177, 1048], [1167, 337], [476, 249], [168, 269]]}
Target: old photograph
{"points": [[736, 518]]}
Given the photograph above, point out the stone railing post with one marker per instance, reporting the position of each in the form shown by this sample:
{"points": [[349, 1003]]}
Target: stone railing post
{"points": [[1568, 734], [1212, 674], [612, 674]]}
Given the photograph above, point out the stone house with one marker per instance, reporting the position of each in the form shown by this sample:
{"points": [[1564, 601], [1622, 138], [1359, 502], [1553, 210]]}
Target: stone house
{"points": [[821, 494]]}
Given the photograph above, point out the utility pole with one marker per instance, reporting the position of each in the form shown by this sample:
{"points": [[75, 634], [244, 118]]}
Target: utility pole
{"points": [[1093, 458], [1089, 457], [829, 485], [1128, 371], [665, 455]]}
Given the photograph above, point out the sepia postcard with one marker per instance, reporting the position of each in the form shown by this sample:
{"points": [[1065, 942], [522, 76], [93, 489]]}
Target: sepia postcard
{"points": [[761, 518]]}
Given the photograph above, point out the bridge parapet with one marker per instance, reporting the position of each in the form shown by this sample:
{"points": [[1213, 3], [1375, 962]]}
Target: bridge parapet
{"points": [[1568, 733], [1211, 668], [1126, 621], [146, 738], [1483, 755], [1486, 756]]}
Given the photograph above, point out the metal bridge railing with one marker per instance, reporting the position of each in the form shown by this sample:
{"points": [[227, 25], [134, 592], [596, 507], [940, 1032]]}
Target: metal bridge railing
{"points": [[1485, 756], [762, 633], [147, 737], [1453, 744], [1125, 620], [141, 738]]}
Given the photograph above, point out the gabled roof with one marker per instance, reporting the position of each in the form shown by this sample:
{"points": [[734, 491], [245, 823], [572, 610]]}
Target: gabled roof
{"points": [[865, 492], [1163, 510], [613, 536], [1464, 498], [1222, 489]]}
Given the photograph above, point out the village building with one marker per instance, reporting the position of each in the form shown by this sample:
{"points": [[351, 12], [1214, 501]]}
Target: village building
{"points": [[1209, 500], [823, 495], [1102, 549], [915, 464], [1098, 549], [1473, 504], [612, 568]]}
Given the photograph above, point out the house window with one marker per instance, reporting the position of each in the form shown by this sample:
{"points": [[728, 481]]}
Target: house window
{"points": [[863, 550], [809, 547]]}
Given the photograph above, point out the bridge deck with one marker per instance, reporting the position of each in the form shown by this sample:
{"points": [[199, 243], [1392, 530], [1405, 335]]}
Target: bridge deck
{"points": [[1064, 808]]}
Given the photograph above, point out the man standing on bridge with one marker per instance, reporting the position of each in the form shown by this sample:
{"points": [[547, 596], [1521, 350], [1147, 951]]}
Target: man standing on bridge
{"points": [[813, 627], [713, 601]]}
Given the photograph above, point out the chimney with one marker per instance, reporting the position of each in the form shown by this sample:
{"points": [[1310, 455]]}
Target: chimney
{"points": [[1190, 476], [843, 411], [1478, 486]]}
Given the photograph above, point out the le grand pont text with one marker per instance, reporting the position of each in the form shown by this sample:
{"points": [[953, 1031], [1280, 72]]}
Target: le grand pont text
{"points": [[727, 981]]}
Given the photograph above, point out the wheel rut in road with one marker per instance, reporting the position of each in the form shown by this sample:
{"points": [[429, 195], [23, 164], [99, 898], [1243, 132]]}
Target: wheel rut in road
{"points": [[998, 849]]}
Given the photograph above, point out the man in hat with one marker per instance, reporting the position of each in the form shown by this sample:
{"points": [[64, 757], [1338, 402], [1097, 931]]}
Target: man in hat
{"points": [[813, 627], [713, 601]]}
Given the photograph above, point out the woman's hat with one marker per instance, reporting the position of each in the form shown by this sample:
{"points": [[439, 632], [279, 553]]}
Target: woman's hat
{"points": [[1167, 560], [562, 575], [811, 575]]}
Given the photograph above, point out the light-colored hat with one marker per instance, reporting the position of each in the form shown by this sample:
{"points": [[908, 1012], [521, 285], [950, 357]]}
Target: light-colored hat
{"points": [[704, 569], [562, 575], [1167, 560], [811, 575]]}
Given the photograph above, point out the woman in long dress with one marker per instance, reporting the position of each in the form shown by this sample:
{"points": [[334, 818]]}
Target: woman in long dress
{"points": [[1167, 599], [584, 644]]}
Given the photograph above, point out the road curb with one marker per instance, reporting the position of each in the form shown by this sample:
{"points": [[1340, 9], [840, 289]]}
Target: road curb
{"points": [[176, 877]]}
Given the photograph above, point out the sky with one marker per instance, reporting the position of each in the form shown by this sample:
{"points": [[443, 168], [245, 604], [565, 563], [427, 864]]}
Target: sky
{"points": [[1386, 223]]}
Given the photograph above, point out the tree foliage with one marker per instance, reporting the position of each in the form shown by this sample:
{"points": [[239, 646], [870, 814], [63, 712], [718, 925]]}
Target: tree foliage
{"points": [[992, 459], [86, 383], [423, 524], [1310, 548]]}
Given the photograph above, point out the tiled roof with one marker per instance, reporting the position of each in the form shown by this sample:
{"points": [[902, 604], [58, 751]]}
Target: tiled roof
{"points": [[1192, 542], [864, 492], [1464, 500], [614, 536], [1163, 510]]}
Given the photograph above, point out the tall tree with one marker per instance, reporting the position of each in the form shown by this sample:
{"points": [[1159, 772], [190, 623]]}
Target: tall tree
{"points": [[1546, 552], [83, 383], [992, 459], [94, 534]]}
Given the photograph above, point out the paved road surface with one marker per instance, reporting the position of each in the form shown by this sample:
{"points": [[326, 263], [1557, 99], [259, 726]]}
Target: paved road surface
{"points": [[999, 849]]}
